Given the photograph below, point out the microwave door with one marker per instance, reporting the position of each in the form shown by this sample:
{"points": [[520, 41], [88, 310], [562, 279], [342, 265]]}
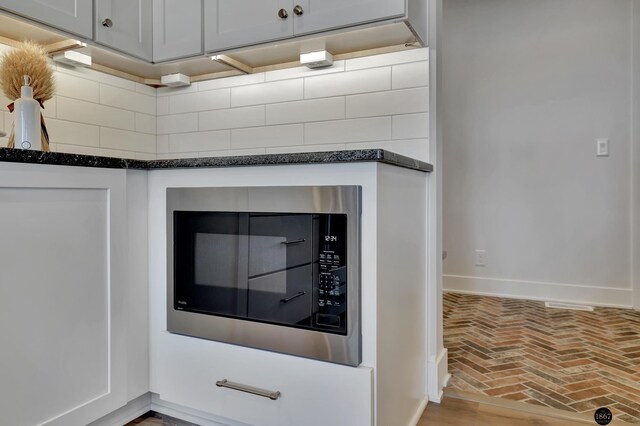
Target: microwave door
{"points": [[215, 280]]}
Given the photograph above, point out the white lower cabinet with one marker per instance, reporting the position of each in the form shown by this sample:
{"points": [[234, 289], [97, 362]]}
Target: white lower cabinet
{"points": [[65, 296], [312, 393]]}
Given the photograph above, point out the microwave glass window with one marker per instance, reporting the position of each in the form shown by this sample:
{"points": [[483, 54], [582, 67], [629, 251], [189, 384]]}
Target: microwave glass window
{"points": [[282, 268]]}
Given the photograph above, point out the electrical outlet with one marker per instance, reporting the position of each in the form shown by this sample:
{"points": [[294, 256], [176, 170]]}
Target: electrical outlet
{"points": [[602, 147], [481, 258]]}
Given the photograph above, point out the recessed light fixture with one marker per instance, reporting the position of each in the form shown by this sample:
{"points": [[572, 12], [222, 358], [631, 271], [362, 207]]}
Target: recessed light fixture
{"points": [[319, 59], [71, 57], [175, 80]]}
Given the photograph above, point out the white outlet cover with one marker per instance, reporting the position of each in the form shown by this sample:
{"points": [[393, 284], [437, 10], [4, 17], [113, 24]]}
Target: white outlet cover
{"points": [[602, 147]]}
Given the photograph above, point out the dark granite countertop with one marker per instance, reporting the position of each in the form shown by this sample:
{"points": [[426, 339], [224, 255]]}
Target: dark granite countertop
{"points": [[352, 156]]}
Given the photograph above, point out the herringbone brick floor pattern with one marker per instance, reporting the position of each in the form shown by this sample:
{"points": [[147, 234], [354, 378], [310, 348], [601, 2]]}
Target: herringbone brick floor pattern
{"points": [[521, 350]]}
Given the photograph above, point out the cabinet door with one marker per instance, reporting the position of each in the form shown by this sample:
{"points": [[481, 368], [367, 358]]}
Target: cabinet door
{"points": [[321, 15], [74, 16], [177, 29], [125, 25], [233, 23], [63, 292]]}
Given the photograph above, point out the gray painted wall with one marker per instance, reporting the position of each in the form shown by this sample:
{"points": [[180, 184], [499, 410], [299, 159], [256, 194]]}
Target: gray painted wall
{"points": [[528, 88]]}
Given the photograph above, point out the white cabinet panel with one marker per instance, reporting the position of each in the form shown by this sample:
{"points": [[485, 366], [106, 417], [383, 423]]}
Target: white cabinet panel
{"points": [[125, 25], [74, 16], [177, 29], [313, 393], [321, 15], [62, 294], [233, 23]]}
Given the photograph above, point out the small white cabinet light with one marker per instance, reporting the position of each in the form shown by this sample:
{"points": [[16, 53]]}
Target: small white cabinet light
{"points": [[319, 59]]}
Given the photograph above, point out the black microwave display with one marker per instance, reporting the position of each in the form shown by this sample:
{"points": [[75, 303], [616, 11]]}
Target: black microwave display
{"points": [[281, 268]]}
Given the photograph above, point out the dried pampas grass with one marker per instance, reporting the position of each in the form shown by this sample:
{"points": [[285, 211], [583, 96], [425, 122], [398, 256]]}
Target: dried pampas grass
{"points": [[27, 59]]}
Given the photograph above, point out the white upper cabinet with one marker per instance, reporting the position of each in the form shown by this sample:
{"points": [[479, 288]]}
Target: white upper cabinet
{"points": [[312, 16], [125, 25], [74, 16], [177, 29], [233, 23]]}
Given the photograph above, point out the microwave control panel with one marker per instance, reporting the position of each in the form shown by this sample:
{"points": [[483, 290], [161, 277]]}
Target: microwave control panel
{"points": [[332, 269]]}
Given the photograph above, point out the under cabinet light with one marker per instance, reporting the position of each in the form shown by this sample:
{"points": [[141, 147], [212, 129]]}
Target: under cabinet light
{"points": [[319, 59], [71, 57], [176, 80]]}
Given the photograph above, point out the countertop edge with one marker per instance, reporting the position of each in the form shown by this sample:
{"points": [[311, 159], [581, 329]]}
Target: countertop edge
{"points": [[343, 156]]}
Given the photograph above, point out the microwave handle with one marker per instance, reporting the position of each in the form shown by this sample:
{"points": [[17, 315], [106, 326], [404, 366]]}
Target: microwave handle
{"points": [[301, 240], [295, 296]]}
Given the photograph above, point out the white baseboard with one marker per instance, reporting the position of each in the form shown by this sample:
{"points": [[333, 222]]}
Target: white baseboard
{"points": [[534, 290], [437, 376], [134, 409], [416, 416]]}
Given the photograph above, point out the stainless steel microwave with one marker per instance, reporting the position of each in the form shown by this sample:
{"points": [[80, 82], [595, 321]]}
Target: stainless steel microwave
{"points": [[274, 268]]}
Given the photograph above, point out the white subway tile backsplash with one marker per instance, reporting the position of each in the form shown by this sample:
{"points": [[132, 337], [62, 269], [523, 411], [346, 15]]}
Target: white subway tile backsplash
{"points": [[174, 155], [179, 123], [410, 126], [231, 118], [8, 121], [232, 152], [70, 133], [303, 71], [201, 141], [74, 149], [347, 83], [267, 93], [162, 105], [127, 141], [412, 55], [200, 101], [50, 109], [404, 101], [414, 74], [145, 156], [127, 99], [4, 101], [72, 86], [305, 148], [343, 131], [162, 144], [270, 136], [304, 111], [96, 76], [145, 123], [147, 90], [90, 113], [116, 153], [166, 91], [240, 80], [370, 102]]}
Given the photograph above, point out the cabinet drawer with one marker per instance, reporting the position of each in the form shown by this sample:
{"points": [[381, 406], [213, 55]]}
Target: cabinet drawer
{"points": [[188, 368]]}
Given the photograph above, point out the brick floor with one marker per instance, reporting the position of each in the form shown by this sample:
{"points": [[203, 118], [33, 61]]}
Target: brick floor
{"points": [[521, 350]]}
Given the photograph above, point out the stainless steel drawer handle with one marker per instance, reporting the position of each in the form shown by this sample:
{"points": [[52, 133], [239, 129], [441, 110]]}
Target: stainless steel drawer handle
{"points": [[298, 10], [248, 389], [107, 23], [301, 240], [295, 296]]}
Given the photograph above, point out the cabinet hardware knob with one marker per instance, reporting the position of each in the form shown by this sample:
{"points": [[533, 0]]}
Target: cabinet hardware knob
{"points": [[298, 10], [282, 14], [107, 23]]}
